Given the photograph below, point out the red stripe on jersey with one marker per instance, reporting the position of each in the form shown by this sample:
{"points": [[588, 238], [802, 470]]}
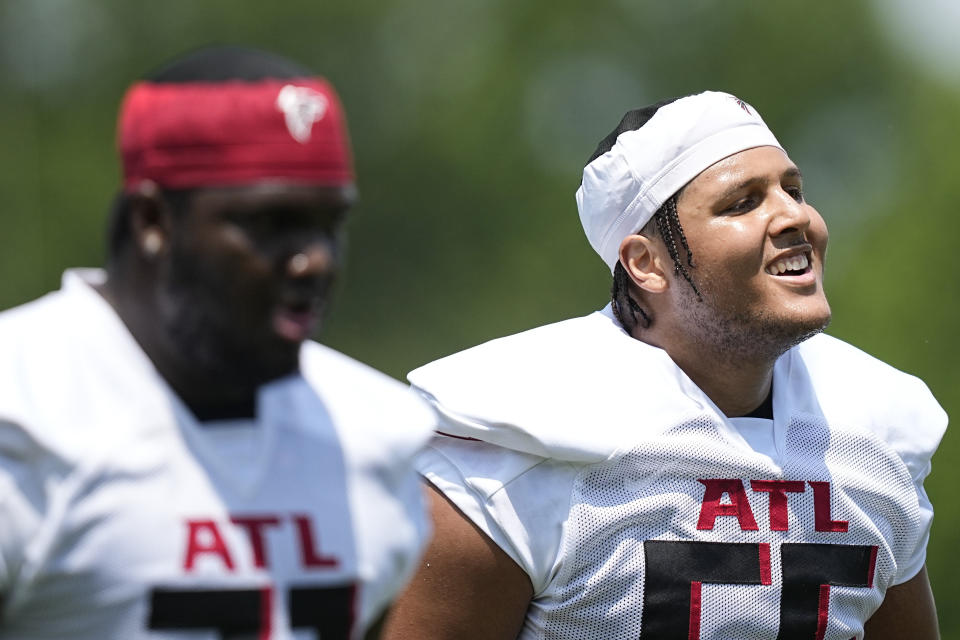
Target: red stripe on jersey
{"points": [[695, 605], [766, 577], [266, 612], [823, 611], [873, 566]]}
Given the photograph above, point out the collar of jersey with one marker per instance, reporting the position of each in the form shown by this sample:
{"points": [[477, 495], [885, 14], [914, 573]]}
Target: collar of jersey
{"points": [[580, 390]]}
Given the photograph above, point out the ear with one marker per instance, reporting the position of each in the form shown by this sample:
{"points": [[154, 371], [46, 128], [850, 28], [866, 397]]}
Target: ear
{"points": [[642, 258], [149, 220]]}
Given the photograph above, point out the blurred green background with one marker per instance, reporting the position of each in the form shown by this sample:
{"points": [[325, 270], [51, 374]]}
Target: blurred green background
{"points": [[471, 121]]}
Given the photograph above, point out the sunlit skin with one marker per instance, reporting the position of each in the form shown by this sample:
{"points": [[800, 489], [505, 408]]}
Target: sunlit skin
{"points": [[240, 279], [741, 216]]}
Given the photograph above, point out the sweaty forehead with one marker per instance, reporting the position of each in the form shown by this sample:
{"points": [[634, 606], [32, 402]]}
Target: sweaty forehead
{"points": [[759, 164]]}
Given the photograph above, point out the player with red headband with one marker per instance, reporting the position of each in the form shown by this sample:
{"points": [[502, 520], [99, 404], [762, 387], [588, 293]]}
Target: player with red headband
{"points": [[696, 461], [177, 458]]}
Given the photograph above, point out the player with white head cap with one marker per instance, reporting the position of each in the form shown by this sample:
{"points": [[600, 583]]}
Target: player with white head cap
{"points": [[697, 460]]}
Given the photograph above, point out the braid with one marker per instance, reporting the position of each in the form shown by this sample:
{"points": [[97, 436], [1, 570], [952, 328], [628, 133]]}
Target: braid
{"points": [[667, 223], [620, 293], [669, 228]]}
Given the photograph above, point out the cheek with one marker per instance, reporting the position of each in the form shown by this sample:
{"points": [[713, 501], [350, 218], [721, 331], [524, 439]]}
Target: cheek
{"points": [[818, 234], [821, 241], [733, 250], [240, 258], [234, 239]]}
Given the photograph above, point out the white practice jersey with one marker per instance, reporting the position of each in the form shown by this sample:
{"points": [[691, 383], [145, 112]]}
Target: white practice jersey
{"points": [[121, 517], [639, 511]]}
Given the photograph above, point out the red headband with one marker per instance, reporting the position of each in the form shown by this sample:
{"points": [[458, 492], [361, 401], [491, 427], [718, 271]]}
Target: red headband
{"points": [[237, 132]]}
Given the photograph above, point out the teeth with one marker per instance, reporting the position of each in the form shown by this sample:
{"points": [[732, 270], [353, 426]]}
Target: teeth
{"points": [[793, 263]]}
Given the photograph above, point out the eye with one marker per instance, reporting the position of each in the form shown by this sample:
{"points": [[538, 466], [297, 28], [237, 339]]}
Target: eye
{"points": [[252, 224], [267, 222], [795, 191], [743, 205]]}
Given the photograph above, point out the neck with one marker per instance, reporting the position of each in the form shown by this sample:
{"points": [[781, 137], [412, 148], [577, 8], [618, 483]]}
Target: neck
{"points": [[736, 386], [203, 395], [208, 396], [737, 383]]}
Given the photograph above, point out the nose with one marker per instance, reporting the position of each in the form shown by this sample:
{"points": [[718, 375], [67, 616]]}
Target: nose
{"points": [[314, 259], [790, 215]]}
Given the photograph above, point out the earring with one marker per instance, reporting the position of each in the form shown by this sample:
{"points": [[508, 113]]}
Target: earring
{"points": [[152, 243], [298, 264]]}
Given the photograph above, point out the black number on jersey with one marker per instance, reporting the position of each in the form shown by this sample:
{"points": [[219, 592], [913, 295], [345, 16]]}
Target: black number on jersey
{"points": [[675, 571], [245, 612]]}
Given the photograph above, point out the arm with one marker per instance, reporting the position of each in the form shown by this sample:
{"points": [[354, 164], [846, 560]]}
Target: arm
{"points": [[466, 588], [908, 611]]}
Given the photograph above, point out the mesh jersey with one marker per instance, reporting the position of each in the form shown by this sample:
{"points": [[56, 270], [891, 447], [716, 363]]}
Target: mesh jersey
{"points": [[123, 518], [682, 528]]}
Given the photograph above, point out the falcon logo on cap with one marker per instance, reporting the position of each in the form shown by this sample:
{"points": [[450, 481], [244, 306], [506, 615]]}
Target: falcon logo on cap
{"points": [[743, 105], [301, 107]]}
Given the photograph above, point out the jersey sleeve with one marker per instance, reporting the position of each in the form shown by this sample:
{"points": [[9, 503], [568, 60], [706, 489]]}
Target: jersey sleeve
{"points": [[392, 531], [917, 559], [852, 387], [916, 438], [26, 477], [519, 501], [923, 427], [380, 441]]}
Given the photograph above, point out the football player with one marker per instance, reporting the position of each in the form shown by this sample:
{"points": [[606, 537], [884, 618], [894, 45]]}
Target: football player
{"points": [[177, 458], [697, 460]]}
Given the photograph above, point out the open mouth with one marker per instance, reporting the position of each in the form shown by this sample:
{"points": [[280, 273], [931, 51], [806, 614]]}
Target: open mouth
{"points": [[296, 320], [791, 266], [301, 306]]}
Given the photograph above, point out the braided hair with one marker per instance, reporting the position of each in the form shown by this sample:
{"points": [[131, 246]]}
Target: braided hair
{"points": [[665, 223], [670, 230]]}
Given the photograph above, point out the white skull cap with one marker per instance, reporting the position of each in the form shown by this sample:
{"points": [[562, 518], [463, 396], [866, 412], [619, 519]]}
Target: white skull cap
{"points": [[622, 188]]}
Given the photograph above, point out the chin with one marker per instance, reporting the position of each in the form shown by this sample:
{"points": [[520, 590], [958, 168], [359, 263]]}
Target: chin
{"points": [[241, 362], [805, 333], [275, 362], [812, 318], [791, 332], [752, 334]]}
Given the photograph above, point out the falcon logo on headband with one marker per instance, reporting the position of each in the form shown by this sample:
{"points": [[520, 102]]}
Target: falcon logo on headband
{"points": [[743, 105], [301, 107]]}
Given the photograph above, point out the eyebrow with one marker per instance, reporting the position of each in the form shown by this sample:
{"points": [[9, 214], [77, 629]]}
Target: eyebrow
{"points": [[792, 172]]}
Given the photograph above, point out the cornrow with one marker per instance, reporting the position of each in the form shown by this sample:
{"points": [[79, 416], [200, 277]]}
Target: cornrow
{"points": [[669, 228], [667, 223], [620, 293]]}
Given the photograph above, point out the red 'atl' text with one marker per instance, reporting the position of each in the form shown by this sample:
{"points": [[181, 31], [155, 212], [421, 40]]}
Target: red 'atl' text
{"points": [[204, 537], [739, 506]]}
